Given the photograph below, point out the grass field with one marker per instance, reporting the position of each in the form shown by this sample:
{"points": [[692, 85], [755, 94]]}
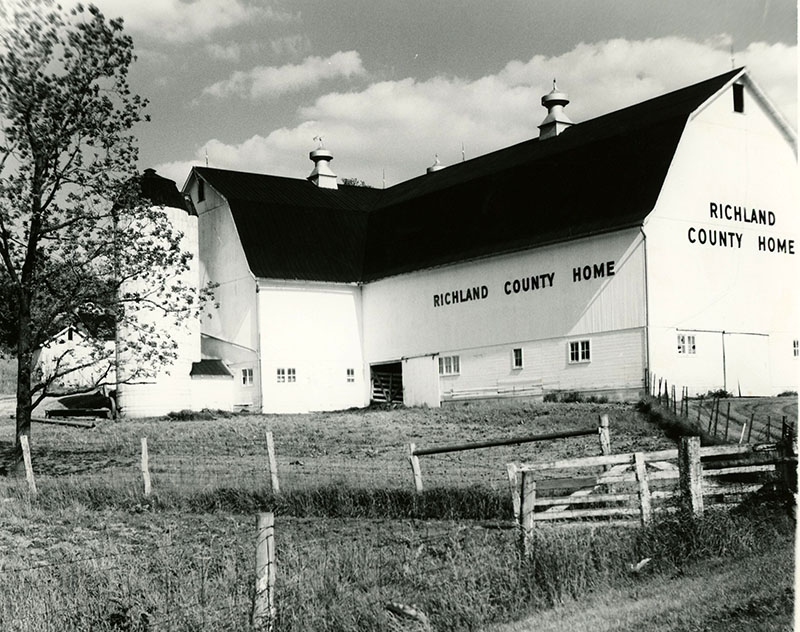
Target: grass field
{"points": [[91, 553]]}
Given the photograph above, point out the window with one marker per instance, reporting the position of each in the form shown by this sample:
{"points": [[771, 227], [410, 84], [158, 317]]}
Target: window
{"points": [[281, 376], [449, 365], [290, 375], [686, 344], [201, 190], [351, 375], [579, 351], [738, 97], [69, 334], [516, 358], [796, 348], [247, 377]]}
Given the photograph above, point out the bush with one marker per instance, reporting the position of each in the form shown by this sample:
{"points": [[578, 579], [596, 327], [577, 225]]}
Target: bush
{"points": [[720, 393], [787, 394]]}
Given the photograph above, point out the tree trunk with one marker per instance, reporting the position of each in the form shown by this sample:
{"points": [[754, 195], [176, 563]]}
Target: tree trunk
{"points": [[24, 360]]}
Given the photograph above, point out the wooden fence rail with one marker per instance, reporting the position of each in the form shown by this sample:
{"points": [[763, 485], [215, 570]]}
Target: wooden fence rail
{"points": [[636, 486], [602, 430]]}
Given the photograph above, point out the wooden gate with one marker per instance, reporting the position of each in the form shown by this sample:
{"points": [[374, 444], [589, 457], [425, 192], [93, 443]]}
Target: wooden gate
{"points": [[387, 383]]}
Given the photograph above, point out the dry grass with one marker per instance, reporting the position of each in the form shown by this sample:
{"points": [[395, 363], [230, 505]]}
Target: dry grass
{"points": [[91, 553]]}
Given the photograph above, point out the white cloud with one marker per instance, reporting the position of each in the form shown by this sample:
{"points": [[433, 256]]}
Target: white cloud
{"points": [[232, 52], [400, 125], [291, 46], [272, 81], [183, 21]]}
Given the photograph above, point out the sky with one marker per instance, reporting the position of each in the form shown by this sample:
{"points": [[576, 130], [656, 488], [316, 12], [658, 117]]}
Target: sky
{"points": [[390, 85]]}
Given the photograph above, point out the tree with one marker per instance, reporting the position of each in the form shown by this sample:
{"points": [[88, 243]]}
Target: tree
{"points": [[76, 239], [355, 182]]}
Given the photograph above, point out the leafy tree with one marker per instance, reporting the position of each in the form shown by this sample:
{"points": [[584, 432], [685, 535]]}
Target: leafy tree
{"points": [[76, 239], [355, 182]]}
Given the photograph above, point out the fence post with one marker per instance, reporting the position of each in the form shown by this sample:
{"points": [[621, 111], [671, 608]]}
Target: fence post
{"points": [[769, 428], [727, 420], [264, 598], [750, 429], [273, 464], [674, 402], [644, 488], [26, 458], [605, 438], [691, 475], [528, 500], [514, 484], [414, 460], [716, 418], [145, 467]]}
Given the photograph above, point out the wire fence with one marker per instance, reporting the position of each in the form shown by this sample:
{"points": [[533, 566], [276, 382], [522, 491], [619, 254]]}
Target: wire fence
{"points": [[208, 582]]}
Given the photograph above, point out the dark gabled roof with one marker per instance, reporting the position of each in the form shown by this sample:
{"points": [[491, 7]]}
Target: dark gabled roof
{"points": [[292, 229], [210, 368], [601, 175], [162, 191]]}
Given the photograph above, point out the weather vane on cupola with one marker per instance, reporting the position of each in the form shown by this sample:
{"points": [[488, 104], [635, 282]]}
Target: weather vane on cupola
{"points": [[320, 144]]}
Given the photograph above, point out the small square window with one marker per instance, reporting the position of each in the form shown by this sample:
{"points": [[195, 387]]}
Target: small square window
{"points": [[449, 365], [290, 375], [516, 358], [686, 344], [281, 376], [247, 377], [580, 351], [351, 375], [796, 348]]}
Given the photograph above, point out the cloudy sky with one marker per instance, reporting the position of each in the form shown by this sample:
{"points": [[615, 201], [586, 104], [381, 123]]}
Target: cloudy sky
{"points": [[389, 84]]}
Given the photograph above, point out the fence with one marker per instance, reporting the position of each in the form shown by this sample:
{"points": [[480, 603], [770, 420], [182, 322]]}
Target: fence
{"points": [[602, 431], [705, 413], [635, 486], [253, 573]]}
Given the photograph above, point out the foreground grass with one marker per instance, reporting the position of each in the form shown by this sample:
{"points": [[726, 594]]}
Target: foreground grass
{"points": [[81, 569], [730, 594]]}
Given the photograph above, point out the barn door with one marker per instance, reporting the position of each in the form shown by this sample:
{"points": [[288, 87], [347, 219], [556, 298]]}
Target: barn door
{"points": [[387, 383], [747, 364]]}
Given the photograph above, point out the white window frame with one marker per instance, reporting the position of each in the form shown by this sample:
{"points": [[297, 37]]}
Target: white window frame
{"points": [[291, 375], [583, 351], [280, 376], [351, 375], [247, 377], [687, 344], [517, 359], [449, 365], [796, 348]]}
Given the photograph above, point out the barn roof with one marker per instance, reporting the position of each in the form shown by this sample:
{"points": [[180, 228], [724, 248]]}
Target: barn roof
{"points": [[597, 176], [210, 368]]}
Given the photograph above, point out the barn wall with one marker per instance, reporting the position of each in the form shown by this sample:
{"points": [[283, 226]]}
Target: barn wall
{"points": [[747, 291], [230, 327], [409, 315], [214, 393], [315, 329]]}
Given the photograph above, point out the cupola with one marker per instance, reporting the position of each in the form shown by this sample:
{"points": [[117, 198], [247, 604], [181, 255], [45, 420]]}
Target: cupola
{"points": [[322, 175], [436, 166], [556, 120]]}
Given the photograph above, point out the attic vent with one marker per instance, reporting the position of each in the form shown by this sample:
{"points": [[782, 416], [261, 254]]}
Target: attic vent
{"points": [[738, 97], [201, 190]]}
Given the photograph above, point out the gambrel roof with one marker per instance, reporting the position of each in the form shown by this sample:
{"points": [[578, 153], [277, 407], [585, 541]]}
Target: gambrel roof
{"points": [[601, 175]]}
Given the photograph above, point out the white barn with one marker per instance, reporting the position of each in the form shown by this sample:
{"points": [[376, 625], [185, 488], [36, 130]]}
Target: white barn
{"points": [[661, 238]]}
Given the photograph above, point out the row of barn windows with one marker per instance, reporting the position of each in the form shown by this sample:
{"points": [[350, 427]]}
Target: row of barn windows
{"points": [[288, 375], [579, 351]]}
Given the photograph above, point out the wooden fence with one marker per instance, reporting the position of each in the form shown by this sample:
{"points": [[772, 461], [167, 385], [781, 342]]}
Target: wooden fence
{"points": [[601, 430], [633, 487]]}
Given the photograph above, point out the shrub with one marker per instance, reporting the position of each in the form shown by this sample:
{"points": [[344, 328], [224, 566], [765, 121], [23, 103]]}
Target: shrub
{"points": [[787, 394], [719, 393]]}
